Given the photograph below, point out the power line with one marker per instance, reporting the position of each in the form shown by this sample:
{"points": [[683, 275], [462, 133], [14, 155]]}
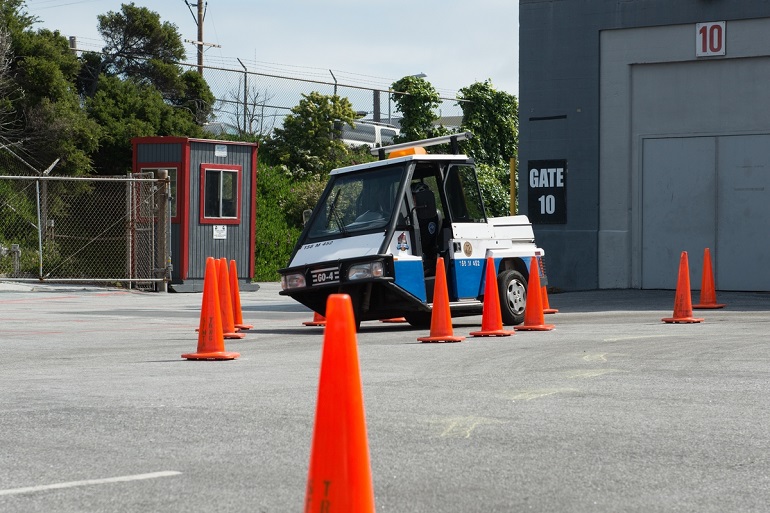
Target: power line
{"points": [[63, 4]]}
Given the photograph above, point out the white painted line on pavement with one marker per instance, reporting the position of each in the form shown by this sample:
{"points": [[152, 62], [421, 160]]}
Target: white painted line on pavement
{"points": [[88, 482]]}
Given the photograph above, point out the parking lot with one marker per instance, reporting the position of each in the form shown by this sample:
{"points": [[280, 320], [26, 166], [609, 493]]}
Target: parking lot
{"points": [[613, 410]]}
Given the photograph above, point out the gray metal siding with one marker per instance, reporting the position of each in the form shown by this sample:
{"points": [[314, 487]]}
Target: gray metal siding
{"points": [[171, 152], [560, 70]]}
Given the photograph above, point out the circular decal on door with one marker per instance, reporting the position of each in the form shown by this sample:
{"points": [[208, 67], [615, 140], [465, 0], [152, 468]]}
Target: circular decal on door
{"points": [[467, 249]]}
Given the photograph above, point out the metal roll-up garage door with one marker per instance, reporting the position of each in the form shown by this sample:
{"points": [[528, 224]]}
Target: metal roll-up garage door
{"points": [[713, 192]]}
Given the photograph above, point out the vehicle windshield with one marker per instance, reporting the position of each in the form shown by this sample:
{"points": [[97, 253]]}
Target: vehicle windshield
{"points": [[357, 202]]}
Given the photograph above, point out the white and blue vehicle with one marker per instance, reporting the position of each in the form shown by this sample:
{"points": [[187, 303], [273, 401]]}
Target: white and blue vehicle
{"points": [[379, 228]]}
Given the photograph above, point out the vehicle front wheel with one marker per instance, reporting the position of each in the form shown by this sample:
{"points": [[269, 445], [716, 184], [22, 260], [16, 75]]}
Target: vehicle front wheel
{"points": [[512, 288], [418, 319]]}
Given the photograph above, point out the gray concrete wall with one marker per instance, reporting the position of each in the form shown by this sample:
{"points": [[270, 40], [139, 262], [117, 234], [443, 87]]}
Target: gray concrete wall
{"points": [[576, 63]]}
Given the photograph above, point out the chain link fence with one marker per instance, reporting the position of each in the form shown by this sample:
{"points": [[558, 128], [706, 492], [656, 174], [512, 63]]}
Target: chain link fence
{"points": [[96, 230]]}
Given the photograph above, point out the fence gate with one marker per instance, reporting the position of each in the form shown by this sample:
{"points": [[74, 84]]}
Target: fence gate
{"points": [[106, 230]]}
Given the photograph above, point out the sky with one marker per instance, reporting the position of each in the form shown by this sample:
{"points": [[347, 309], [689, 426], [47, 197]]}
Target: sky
{"points": [[363, 42]]}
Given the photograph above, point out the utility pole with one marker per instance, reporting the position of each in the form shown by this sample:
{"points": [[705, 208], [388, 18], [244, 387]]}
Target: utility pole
{"points": [[200, 37], [199, 21]]}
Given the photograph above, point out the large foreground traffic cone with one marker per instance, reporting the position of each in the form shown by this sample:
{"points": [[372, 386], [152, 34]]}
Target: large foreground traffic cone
{"points": [[225, 301], [683, 299], [441, 317], [340, 475], [546, 305], [491, 318], [534, 320], [235, 293], [318, 320], [211, 342], [708, 295]]}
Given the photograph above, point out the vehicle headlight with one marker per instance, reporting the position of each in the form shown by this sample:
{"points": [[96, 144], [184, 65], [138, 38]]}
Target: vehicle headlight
{"points": [[293, 281], [367, 270]]}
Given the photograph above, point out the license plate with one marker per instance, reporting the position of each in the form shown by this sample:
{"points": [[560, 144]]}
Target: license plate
{"points": [[320, 276]]}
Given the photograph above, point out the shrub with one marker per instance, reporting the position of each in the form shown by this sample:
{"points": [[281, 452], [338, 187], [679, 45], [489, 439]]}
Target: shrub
{"points": [[278, 224], [494, 189]]}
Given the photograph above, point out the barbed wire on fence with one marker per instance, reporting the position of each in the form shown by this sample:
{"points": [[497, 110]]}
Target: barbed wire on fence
{"points": [[276, 95]]}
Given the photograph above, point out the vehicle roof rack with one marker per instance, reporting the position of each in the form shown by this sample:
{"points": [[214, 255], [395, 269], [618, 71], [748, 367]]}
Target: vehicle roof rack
{"points": [[433, 141], [375, 123]]}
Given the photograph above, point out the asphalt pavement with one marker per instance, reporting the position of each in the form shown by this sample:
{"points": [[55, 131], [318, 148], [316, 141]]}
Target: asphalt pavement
{"points": [[612, 411]]}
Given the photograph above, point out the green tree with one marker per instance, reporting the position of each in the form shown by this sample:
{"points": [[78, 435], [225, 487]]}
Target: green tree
{"points": [[493, 118], [14, 16], [138, 46], [195, 96], [416, 99], [125, 109], [135, 88], [142, 48], [10, 92], [44, 69], [308, 143]]}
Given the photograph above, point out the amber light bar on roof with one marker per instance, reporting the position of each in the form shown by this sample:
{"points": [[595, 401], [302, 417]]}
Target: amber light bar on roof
{"points": [[433, 141]]}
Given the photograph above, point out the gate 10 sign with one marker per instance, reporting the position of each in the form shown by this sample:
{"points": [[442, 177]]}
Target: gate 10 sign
{"points": [[547, 191], [710, 39]]}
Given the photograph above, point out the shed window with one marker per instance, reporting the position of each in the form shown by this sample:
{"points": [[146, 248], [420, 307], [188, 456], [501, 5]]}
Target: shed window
{"points": [[220, 195]]}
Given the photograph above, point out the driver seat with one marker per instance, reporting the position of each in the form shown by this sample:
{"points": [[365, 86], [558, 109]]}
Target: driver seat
{"points": [[429, 219]]}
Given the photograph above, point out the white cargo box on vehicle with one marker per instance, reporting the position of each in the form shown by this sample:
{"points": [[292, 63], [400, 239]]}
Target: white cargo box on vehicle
{"points": [[516, 228]]}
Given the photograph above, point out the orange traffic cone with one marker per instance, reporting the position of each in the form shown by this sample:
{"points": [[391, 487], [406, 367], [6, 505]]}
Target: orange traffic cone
{"points": [[683, 299], [546, 306], [211, 342], [534, 320], [441, 317], [708, 296], [225, 301], [394, 320], [491, 318], [235, 292], [318, 320], [340, 474]]}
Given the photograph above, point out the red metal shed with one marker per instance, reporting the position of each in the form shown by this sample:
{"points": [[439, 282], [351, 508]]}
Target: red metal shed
{"points": [[213, 205]]}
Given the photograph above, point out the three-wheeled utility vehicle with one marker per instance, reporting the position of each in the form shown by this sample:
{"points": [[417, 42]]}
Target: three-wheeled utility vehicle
{"points": [[379, 227]]}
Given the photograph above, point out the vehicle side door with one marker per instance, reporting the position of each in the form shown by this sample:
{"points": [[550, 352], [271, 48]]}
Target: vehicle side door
{"points": [[471, 235]]}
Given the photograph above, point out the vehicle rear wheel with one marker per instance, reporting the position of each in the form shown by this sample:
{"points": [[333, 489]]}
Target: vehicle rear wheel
{"points": [[512, 288]]}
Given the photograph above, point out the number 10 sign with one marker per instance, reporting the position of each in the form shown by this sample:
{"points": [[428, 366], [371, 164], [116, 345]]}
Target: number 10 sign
{"points": [[709, 39]]}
